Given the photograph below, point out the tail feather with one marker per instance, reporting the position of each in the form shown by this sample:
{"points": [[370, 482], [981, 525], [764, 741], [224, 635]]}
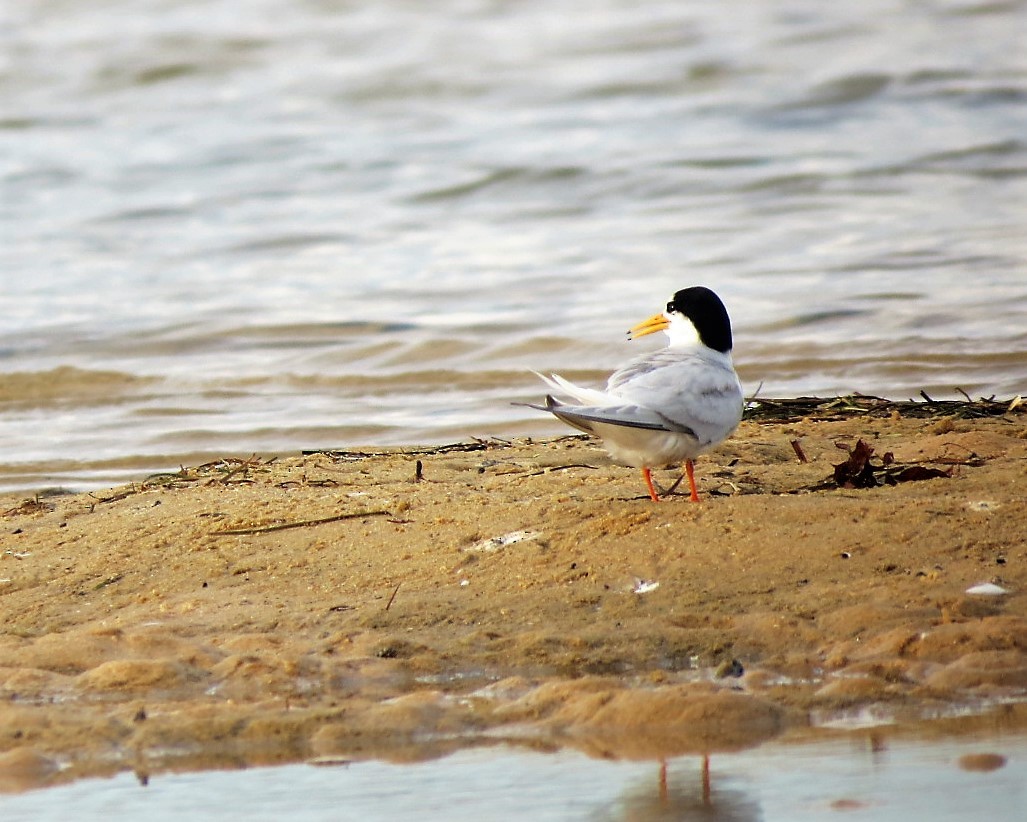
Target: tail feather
{"points": [[585, 396], [554, 407]]}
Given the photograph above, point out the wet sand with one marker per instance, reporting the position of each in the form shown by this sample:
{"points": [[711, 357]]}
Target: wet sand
{"points": [[339, 606]]}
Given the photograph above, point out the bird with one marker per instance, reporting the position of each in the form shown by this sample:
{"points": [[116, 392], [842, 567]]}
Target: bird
{"points": [[668, 406]]}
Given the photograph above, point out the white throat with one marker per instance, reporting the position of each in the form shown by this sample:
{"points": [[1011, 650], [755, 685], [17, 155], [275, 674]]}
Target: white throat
{"points": [[681, 333]]}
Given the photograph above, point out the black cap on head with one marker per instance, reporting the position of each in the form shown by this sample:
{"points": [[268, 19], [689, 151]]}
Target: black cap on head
{"points": [[707, 314]]}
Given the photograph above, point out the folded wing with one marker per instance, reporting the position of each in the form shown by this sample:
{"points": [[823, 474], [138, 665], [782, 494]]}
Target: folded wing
{"points": [[628, 416]]}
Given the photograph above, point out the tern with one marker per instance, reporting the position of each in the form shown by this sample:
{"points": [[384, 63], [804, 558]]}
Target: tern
{"points": [[671, 405]]}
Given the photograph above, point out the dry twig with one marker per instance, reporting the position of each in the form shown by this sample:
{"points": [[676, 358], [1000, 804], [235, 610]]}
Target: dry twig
{"points": [[282, 526]]}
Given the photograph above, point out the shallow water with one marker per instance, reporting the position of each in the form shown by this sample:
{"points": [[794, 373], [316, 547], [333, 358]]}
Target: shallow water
{"points": [[318, 224], [860, 776]]}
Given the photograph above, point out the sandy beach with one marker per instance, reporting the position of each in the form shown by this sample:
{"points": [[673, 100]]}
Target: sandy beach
{"points": [[401, 604]]}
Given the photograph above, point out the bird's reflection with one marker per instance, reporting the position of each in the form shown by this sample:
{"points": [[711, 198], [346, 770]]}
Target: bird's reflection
{"points": [[677, 723], [683, 791]]}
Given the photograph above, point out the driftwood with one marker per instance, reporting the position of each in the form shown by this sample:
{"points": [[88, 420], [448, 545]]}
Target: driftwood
{"points": [[855, 405]]}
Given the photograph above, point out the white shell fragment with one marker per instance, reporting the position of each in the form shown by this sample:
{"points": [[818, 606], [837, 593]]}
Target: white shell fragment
{"points": [[496, 543], [644, 586], [987, 589]]}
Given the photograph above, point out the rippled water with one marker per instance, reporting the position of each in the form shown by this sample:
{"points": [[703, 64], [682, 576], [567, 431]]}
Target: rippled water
{"points": [[233, 227]]}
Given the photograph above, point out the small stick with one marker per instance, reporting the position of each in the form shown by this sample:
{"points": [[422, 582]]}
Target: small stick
{"points": [[281, 526], [241, 466], [418, 472], [553, 468], [797, 448], [395, 591]]}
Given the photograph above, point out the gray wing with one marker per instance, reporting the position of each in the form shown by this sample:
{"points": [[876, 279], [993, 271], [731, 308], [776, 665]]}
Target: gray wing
{"points": [[628, 416], [691, 390]]}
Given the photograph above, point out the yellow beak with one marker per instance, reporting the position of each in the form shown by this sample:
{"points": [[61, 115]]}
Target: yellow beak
{"points": [[657, 322]]}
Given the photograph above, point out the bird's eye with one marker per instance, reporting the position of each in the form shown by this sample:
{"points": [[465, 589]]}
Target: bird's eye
{"points": [[670, 307]]}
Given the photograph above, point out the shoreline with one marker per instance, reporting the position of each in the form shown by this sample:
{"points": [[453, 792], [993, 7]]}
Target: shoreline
{"points": [[69, 475], [335, 605]]}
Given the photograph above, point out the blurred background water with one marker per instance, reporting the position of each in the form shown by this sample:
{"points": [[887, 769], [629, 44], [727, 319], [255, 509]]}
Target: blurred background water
{"points": [[233, 227]]}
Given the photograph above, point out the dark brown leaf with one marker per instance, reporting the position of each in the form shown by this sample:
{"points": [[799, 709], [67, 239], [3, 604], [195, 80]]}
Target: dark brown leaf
{"points": [[913, 473], [859, 472], [856, 471]]}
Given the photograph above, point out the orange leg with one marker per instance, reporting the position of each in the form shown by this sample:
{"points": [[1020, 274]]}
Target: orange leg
{"points": [[690, 470], [647, 475]]}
